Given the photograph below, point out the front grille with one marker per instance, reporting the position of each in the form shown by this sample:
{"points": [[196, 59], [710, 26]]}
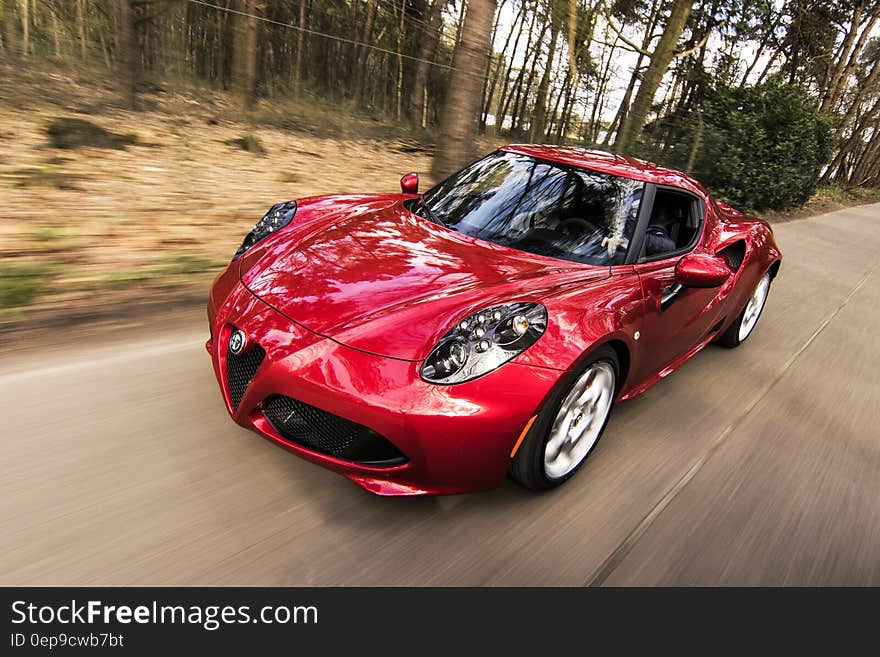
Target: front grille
{"points": [[330, 434], [240, 370]]}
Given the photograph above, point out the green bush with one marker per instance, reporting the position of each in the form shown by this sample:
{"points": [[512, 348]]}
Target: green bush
{"points": [[20, 284], [760, 147], [71, 132], [186, 263]]}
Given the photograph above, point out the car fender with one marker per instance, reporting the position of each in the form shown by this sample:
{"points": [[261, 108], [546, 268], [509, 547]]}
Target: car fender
{"points": [[761, 255], [581, 321]]}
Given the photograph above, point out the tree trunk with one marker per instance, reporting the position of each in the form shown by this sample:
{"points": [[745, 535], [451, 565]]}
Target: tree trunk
{"points": [[835, 68], [504, 102], [56, 32], [839, 82], [539, 113], [490, 92], [461, 111], [460, 22], [244, 52], [488, 71], [866, 169], [364, 50], [499, 119], [105, 53], [871, 162], [427, 48], [599, 97], [661, 57], [571, 39], [522, 94], [769, 66], [565, 119], [695, 145], [8, 20], [513, 96], [398, 89], [760, 51], [125, 50], [25, 27], [623, 109], [81, 27], [300, 41], [554, 115], [864, 87], [846, 146]]}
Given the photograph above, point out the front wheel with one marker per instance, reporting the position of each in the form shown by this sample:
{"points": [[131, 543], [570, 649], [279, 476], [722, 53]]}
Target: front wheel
{"points": [[569, 424], [745, 323]]}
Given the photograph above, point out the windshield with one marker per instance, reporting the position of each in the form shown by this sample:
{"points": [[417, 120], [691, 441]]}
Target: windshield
{"points": [[541, 207]]}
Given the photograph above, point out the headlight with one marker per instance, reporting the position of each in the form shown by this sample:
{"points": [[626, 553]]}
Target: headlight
{"points": [[484, 341], [278, 216]]}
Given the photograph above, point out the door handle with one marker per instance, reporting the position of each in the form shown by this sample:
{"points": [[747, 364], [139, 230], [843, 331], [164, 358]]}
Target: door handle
{"points": [[669, 294]]}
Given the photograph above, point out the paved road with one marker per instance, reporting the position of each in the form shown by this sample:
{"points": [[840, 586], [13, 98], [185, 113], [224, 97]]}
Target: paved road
{"points": [[754, 466]]}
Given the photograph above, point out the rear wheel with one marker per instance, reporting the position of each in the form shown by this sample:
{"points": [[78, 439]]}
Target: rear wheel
{"points": [[569, 424], [745, 323]]}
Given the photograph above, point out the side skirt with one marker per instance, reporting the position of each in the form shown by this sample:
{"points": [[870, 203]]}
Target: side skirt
{"points": [[669, 368]]}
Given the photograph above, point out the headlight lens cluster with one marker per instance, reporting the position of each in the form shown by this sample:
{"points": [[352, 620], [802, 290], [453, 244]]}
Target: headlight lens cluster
{"points": [[278, 216], [484, 341]]}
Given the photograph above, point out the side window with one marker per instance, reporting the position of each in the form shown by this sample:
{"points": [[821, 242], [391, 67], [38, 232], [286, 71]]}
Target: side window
{"points": [[607, 208], [673, 224]]}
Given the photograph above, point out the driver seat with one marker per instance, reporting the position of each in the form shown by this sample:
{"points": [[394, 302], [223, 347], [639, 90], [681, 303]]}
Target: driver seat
{"points": [[671, 219]]}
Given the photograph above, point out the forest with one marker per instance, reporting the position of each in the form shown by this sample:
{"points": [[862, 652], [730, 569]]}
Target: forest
{"points": [[761, 100]]}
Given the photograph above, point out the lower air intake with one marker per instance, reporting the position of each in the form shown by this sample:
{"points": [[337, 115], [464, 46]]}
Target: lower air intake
{"points": [[330, 434]]}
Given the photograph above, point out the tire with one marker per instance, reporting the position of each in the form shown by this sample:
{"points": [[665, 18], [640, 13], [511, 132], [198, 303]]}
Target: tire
{"points": [[745, 323], [536, 468]]}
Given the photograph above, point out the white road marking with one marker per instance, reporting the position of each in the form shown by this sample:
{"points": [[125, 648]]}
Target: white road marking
{"points": [[625, 547]]}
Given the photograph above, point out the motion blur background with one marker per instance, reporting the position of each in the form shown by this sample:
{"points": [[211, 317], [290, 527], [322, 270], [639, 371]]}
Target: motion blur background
{"points": [[141, 139]]}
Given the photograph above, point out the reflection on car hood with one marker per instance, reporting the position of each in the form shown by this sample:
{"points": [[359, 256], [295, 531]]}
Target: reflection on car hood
{"points": [[373, 276]]}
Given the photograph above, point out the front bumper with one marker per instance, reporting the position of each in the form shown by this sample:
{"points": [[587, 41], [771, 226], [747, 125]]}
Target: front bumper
{"points": [[455, 438]]}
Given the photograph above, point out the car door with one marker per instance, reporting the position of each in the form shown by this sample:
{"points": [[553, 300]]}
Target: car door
{"points": [[674, 319]]}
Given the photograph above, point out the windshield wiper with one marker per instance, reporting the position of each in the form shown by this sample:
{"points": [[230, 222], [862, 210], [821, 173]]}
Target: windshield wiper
{"points": [[429, 215]]}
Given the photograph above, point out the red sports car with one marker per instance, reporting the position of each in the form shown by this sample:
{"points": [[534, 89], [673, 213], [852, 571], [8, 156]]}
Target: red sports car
{"points": [[430, 343]]}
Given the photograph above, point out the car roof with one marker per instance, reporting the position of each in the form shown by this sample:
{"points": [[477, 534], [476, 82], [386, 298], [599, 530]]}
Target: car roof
{"points": [[618, 165]]}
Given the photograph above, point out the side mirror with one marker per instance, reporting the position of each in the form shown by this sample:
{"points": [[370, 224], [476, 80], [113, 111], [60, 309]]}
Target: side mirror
{"points": [[701, 270], [409, 184]]}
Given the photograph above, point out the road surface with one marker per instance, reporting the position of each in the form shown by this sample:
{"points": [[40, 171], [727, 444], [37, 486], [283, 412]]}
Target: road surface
{"points": [[759, 465]]}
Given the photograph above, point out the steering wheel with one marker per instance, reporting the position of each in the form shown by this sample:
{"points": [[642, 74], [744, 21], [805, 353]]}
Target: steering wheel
{"points": [[573, 227]]}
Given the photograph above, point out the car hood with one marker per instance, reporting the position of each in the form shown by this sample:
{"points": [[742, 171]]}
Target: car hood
{"points": [[369, 274]]}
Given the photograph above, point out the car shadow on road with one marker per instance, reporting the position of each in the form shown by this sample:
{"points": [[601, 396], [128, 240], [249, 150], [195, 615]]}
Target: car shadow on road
{"points": [[344, 535]]}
